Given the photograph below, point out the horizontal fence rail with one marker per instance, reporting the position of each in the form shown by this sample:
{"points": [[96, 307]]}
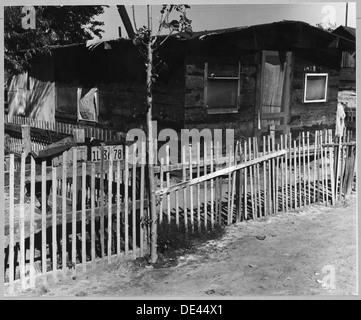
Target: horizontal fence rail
{"points": [[67, 214], [65, 128]]}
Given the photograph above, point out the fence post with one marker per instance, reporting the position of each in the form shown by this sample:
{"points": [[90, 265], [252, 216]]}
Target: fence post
{"points": [[25, 132]]}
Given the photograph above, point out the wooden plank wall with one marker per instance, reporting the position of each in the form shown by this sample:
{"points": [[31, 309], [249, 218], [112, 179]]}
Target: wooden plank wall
{"points": [[195, 106], [312, 116]]}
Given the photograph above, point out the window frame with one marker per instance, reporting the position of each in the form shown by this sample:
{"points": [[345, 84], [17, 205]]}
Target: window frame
{"points": [[305, 87], [96, 97], [207, 79]]}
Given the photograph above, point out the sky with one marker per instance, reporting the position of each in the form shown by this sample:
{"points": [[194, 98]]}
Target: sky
{"points": [[210, 17]]}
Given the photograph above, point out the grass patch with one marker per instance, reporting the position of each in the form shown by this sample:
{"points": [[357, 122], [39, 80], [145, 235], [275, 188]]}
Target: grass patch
{"points": [[173, 238]]}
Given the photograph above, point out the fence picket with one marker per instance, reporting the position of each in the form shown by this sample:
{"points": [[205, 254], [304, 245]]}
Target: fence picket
{"points": [[109, 203], [286, 164], [295, 173], [161, 177], [229, 219], [342, 165], [251, 176], [245, 183], [300, 187], [270, 193], [74, 209], [126, 199], [198, 186], [273, 177], [205, 170], [308, 169], [212, 184], [43, 221], [134, 201], [64, 209], [276, 182], [142, 179], [83, 216], [304, 170], [258, 191], [92, 212], [265, 193], [323, 168], [234, 174], [240, 186], [32, 221], [185, 210], [282, 177], [12, 265], [22, 223], [191, 204], [315, 171], [168, 183]]}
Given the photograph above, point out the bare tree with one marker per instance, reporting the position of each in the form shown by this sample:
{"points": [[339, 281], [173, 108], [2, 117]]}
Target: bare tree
{"points": [[148, 44]]}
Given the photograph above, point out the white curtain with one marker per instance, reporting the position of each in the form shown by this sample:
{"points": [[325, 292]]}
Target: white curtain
{"points": [[87, 104], [273, 81]]}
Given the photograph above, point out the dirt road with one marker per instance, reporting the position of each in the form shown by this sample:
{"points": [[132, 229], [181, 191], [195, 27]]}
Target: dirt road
{"points": [[288, 261]]}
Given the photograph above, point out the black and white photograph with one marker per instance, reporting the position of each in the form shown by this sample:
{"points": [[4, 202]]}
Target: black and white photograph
{"points": [[179, 151]]}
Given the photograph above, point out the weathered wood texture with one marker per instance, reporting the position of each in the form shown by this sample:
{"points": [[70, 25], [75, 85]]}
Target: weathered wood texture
{"points": [[312, 116], [195, 105]]}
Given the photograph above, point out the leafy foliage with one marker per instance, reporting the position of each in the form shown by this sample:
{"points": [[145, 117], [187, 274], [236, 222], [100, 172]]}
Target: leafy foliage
{"points": [[326, 26], [55, 25], [183, 24]]}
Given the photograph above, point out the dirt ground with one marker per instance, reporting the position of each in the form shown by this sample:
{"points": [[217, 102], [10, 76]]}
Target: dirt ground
{"points": [[289, 261]]}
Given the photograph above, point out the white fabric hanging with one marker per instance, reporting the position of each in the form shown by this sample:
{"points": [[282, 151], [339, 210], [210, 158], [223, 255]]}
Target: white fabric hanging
{"points": [[340, 120]]}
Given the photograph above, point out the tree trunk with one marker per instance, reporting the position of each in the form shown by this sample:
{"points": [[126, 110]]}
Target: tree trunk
{"points": [[150, 147]]}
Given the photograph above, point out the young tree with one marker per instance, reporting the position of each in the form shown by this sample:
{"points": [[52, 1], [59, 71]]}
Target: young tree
{"points": [[148, 45], [54, 25]]}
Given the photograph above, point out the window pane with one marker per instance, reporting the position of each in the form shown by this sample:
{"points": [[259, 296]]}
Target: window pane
{"points": [[316, 88], [222, 93], [223, 70]]}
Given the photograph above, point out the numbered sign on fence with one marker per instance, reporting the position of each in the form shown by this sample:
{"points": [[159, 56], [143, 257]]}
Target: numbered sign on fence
{"points": [[115, 151]]}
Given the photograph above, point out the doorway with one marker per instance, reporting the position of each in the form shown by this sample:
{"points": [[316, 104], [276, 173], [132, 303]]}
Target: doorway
{"points": [[273, 111]]}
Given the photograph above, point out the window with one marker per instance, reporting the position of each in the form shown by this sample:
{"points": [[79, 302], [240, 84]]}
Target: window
{"points": [[87, 104], [315, 89], [222, 87]]}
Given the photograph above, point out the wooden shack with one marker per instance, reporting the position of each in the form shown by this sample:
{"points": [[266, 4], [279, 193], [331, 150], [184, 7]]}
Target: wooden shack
{"points": [[285, 74]]}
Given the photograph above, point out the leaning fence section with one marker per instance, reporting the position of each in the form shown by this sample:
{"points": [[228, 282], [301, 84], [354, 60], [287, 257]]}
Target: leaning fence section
{"points": [[256, 179]]}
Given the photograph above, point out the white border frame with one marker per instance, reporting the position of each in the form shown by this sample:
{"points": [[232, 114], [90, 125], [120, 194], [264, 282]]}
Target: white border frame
{"points": [[305, 87]]}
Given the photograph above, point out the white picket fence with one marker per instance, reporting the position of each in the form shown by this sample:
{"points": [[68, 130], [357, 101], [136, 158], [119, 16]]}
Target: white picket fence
{"points": [[79, 211]]}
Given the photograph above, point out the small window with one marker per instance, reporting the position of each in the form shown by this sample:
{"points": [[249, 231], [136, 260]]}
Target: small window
{"points": [[88, 109], [315, 89], [222, 83]]}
